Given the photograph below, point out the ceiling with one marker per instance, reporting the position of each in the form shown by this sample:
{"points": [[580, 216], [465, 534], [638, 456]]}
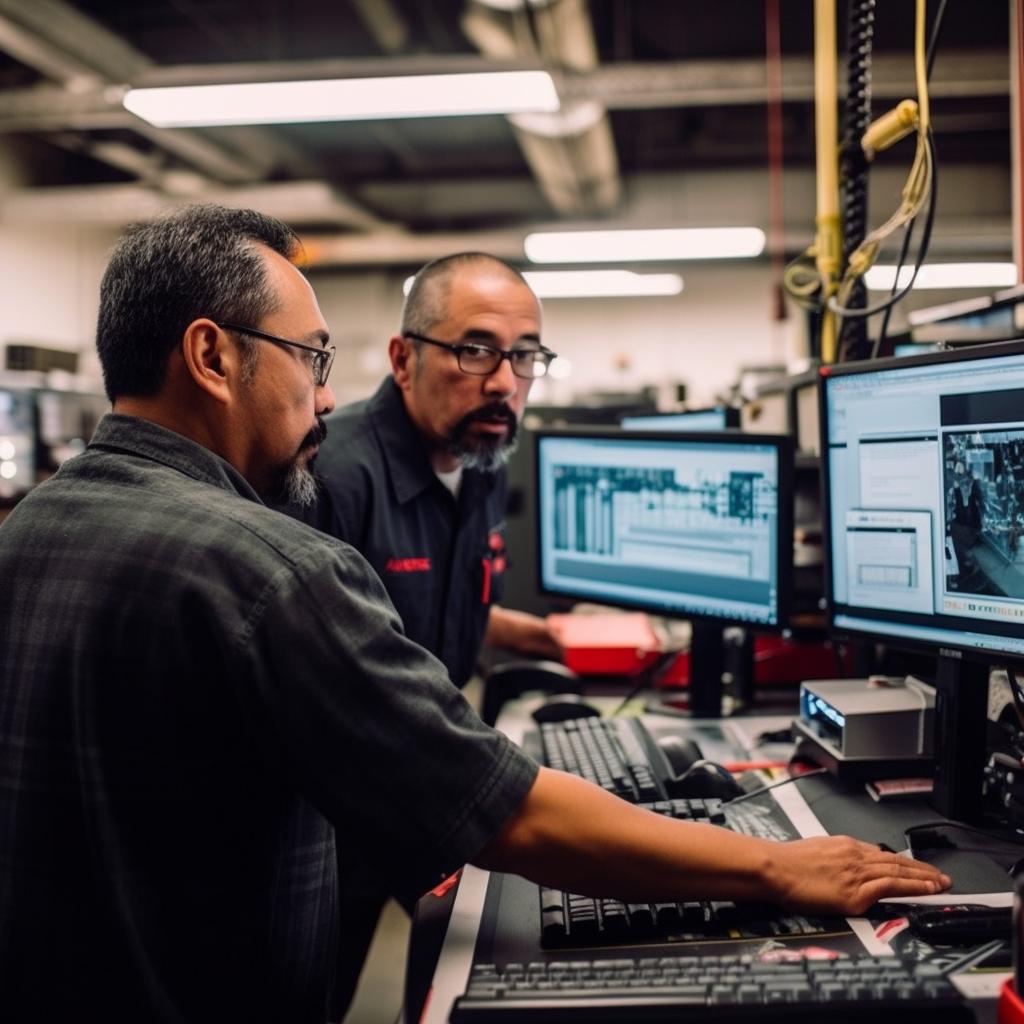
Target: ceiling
{"points": [[652, 90]]}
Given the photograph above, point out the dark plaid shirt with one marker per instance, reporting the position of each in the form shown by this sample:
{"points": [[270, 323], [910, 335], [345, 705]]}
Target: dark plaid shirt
{"points": [[193, 689]]}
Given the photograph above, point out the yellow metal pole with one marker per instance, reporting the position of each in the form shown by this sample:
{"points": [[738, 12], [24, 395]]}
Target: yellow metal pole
{"points": [[829, 241]]}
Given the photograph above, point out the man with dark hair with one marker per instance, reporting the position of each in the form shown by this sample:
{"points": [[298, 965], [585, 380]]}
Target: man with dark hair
{"points": [[199, 696], [414, 477]]}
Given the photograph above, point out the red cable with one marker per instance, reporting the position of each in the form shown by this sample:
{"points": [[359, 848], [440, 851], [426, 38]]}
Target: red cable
{"points": [[776, 225]]}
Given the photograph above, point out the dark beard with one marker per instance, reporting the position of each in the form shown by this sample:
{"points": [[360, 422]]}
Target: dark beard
{"points": [[296, 486], [484, 452]]}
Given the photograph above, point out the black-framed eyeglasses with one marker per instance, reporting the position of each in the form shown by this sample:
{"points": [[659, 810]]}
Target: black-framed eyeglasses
{"points": [[321, 359], [483, 360]]}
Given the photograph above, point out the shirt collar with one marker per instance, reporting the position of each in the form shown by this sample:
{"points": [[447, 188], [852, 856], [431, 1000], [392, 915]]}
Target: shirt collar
{"points": [[148, 440], [404, 453]]}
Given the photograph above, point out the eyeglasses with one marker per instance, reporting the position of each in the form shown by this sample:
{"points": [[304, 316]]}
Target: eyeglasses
{"points": [[321, 359], [483, 360]]}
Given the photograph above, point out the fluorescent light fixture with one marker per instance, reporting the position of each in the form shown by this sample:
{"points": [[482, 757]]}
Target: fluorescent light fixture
{"points": [[653, 244], [345, 99], [600, 284], [945, 275], [594, 284]]}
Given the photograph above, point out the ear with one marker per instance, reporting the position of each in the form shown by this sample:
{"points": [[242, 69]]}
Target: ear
{"points": [[212, 359], [402, 354]]}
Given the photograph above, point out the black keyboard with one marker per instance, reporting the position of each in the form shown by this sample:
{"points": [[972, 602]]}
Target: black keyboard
{"points": [[700, 990], [618, 754]]}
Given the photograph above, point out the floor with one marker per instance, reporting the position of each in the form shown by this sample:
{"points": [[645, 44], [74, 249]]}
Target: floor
{"points": [[378, 997]]}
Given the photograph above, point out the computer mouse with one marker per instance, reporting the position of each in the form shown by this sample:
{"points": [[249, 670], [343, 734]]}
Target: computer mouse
{"points": [[563, 706], [680, 752], [704, 781]]}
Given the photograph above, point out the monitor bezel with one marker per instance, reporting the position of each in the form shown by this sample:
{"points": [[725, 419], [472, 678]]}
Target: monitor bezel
{"points": [[731, 412], [783, 445], [831, 372]]}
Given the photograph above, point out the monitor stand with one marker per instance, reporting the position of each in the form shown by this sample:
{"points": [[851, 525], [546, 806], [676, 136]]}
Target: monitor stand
{"points": [[961, 700], [707, 664]]}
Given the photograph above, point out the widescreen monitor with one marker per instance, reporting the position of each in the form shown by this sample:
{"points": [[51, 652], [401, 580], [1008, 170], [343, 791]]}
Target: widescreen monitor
{"points": [[925, 499], [697, 526], [924, 526], [719, 417]]}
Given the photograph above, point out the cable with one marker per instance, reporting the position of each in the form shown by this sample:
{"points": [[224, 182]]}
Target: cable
{"points": [[975, 956], [772, 785], [648, 678], [925, 238], [934, 826], [883, 329]]}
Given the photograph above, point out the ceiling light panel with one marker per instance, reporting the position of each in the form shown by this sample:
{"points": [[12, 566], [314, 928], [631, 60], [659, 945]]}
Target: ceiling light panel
{"points": [[945, 275], [654, 244], [345, 99]]}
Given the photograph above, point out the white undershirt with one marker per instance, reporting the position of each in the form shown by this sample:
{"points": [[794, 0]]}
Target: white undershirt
{"points": [[452, 480]]}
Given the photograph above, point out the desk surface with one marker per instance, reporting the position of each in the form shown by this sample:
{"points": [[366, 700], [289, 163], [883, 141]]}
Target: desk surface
{"points": [[817, 800]]}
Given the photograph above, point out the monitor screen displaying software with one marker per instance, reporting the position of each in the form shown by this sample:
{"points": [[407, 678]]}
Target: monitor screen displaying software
{"points": [[925, 485], [676, 525]]}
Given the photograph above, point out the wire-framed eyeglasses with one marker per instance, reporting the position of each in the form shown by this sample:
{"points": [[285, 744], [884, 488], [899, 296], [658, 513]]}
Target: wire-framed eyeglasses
{"points": [[321, 359], [483, 360]]}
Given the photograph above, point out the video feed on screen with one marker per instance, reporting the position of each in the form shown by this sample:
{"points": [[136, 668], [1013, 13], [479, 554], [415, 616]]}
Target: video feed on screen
{"points": [[926, 500], [983, 482]]}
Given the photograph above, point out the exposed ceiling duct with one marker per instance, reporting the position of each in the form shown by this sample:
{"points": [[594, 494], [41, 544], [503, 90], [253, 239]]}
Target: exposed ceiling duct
{"points": [[571, 152]]}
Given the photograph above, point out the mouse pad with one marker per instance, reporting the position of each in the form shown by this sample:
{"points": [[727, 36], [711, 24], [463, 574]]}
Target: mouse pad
{"points": [[844, 809]]}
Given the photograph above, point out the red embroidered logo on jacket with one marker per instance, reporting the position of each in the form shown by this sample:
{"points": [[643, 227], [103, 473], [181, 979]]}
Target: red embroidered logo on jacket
{"points": [[407, 565]]}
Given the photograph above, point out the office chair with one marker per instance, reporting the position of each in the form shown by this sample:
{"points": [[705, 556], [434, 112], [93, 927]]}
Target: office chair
{"points": [[511, 679]]}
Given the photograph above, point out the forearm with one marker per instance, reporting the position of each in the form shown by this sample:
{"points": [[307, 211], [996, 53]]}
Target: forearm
{"points": [[572, 835], [520, 631], [575, 836]]}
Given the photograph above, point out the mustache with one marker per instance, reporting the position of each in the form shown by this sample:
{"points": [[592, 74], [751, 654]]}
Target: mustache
{"points": [[491, 411], [316, 436]]}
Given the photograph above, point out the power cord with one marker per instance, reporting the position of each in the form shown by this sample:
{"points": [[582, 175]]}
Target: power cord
{"points": [[772, 785], [930, 832], [648, 678]]}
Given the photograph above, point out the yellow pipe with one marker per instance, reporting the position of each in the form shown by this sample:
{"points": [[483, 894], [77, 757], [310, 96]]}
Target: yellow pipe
{"points": [[828, 243]]}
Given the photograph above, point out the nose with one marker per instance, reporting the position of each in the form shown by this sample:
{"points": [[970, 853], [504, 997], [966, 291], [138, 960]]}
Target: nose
{"points": [[502, 381], [324, 400]]}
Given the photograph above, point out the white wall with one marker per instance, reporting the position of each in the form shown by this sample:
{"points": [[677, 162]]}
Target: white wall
{"points": [[49, 282], [49, 289], [720, 322]]}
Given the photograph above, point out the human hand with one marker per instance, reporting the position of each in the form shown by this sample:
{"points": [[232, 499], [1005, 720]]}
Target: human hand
{"points": [[837, 874]]}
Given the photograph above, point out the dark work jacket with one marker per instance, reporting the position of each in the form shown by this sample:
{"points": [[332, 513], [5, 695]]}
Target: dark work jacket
{"points": [[441, 560]]}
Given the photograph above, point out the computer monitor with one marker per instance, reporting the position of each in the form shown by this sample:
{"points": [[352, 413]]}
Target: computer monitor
{"points": [[17, 444], [987, 318], [719, 417], [697, 526], [924, 525]]}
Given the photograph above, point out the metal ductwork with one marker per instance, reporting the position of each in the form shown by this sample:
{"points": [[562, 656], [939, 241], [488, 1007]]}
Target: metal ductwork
{"points": [[571, 153]]}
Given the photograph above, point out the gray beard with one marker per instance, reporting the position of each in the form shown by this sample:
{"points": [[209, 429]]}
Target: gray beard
{"points": [[299, 486], [483, 456]]}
